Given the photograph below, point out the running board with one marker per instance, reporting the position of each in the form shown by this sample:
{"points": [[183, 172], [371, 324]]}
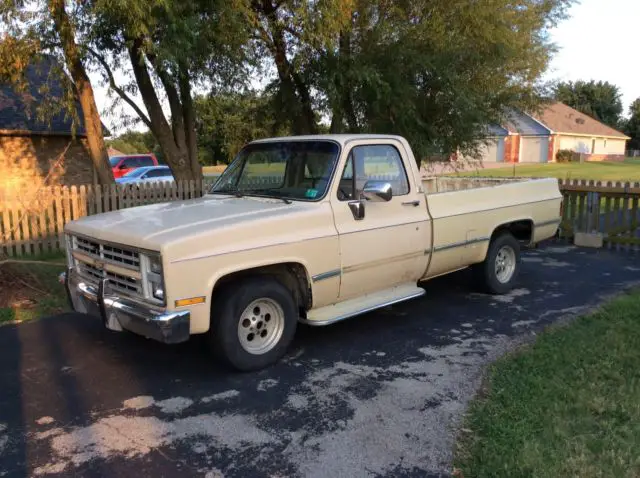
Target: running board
{"points": [[360, 305]]}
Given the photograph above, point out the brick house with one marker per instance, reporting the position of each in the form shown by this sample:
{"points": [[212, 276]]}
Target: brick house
{"points": [[537, 137], [31, 149], [580, 133]]}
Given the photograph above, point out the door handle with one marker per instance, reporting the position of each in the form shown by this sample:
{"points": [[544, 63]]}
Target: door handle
{"points": [[411, 203]]}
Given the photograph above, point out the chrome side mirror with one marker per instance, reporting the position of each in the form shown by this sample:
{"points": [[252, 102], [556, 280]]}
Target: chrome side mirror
{"points": [[377, 191]]}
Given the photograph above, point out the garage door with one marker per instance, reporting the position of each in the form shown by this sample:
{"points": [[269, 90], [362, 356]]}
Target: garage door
{"points": [[491, 152], [494, 151], [534, 150]]}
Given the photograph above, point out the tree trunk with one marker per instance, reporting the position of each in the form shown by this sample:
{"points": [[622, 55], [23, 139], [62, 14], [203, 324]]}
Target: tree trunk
{"points": [[189, 124], [346, 101], [92, 122], [336, 121], [176, 157], [296, 90], [308, 117]]}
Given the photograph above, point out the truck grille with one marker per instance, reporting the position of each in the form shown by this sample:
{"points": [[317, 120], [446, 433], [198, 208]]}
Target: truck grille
{"points": [[115, 255], [125, 259]]}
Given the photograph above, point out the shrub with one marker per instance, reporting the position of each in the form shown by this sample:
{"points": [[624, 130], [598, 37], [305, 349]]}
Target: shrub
{"points": [[564, 155]]}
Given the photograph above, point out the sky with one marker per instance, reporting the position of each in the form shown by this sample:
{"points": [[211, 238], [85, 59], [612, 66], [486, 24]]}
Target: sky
{"points": [[597, 42]]}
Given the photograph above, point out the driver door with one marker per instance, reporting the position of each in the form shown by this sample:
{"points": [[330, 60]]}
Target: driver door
{"points": [[386, 247]]}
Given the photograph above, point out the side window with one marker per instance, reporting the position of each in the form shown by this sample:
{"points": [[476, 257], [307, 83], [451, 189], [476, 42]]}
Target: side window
{"points": [[375, 162], [145, 161], [130, 163]]}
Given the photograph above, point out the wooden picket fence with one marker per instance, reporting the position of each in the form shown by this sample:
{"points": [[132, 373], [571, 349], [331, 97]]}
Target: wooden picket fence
{"points": [[34, 225], [609, 208]]}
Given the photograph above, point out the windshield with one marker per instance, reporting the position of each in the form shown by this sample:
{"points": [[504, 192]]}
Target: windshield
{"points": [[114, 160], [284, 169], [135, 173]]}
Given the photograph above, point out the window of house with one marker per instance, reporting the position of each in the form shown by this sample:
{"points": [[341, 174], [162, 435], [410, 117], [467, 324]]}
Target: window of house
{"points": [[373, 162]]}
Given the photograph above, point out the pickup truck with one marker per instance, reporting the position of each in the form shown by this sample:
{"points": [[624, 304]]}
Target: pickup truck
{"points": [[310, 229]]}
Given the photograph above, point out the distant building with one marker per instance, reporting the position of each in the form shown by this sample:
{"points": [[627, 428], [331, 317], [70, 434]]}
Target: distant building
{"points": [[30, 146], [537, 137], [581, 133]]}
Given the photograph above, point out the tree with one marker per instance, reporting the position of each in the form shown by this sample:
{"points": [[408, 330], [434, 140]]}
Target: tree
{"points": [[600, 100], [226, 122], [50, 29], [169, 46], [291, 34], [436, 71], [632, 126]]}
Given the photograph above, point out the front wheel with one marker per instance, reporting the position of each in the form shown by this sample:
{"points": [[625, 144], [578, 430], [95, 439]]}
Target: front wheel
{"points": [[499, 271], [253, 323]]}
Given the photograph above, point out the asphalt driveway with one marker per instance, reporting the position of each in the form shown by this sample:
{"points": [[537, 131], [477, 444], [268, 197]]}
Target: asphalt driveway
{"points": [[379, 395]]}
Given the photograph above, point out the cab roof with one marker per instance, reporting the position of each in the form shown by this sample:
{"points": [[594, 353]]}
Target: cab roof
{"points": [[338, 138]]}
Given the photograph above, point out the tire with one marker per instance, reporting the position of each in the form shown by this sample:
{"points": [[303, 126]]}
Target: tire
{"points": [[253, 323], [490, 276]]}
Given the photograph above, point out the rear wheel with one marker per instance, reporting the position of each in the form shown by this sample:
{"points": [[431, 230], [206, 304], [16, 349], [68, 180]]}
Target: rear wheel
{"points": [[499, 271], [253, 323]]}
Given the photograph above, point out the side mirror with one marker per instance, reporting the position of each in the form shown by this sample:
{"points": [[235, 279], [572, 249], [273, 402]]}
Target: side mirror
{"points": [[377, 191], [122, 166]]}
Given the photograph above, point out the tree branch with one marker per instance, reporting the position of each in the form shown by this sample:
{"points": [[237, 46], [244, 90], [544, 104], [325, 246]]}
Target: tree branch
{"points": [[161, 130], [123, 94], [177, 122]]}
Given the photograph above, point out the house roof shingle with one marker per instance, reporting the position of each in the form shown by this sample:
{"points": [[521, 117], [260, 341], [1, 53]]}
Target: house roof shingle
{"points": [[18, 110], [517, 122], [563, 119]]}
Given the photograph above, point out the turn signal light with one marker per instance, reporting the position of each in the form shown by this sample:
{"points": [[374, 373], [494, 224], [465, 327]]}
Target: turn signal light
{"points": [[190, 301]]}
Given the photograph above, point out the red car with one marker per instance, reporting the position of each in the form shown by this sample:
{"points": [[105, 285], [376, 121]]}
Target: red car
{"points": [[121, 165]]}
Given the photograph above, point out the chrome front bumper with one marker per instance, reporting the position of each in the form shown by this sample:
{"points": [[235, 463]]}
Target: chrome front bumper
{"points": [[119, 313]]}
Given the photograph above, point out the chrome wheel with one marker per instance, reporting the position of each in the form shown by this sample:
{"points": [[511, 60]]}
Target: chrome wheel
{"points": [[260, 326], [505, 264]]}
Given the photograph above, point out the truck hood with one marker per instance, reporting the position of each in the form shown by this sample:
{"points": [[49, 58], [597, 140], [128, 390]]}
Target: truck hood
{"points": [[156, 226]]}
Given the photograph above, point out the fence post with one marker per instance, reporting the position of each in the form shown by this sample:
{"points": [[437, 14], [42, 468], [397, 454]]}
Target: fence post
{"points": [[593, 208]]}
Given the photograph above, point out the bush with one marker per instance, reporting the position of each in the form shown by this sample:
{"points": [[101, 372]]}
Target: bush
{"points": [[564, 155]]}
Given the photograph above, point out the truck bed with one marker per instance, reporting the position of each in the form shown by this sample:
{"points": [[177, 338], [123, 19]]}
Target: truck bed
{"points": [[442, 184], [465, 212]]}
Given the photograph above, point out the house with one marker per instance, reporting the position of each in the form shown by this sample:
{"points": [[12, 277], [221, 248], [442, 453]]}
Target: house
{"points": [[581, 133], [493, 148], [528, 140], [37, 148], [537, 137]]}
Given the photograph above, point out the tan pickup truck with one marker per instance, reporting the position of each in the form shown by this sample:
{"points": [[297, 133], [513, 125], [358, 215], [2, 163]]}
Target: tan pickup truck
{"points": [[311, 229]]}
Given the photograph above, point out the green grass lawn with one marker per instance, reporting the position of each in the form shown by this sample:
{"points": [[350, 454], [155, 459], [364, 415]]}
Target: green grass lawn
{"points": [[569, 405], [629, 170], [31, 290]]}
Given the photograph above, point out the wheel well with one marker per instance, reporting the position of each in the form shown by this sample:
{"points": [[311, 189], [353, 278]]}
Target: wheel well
{"points": [[291, 274], [521, 230]]}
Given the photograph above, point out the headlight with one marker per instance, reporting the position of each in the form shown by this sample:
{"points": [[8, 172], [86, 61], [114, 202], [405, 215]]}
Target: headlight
{"points": [[155, 264], [157, 290], [153, 273]]}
